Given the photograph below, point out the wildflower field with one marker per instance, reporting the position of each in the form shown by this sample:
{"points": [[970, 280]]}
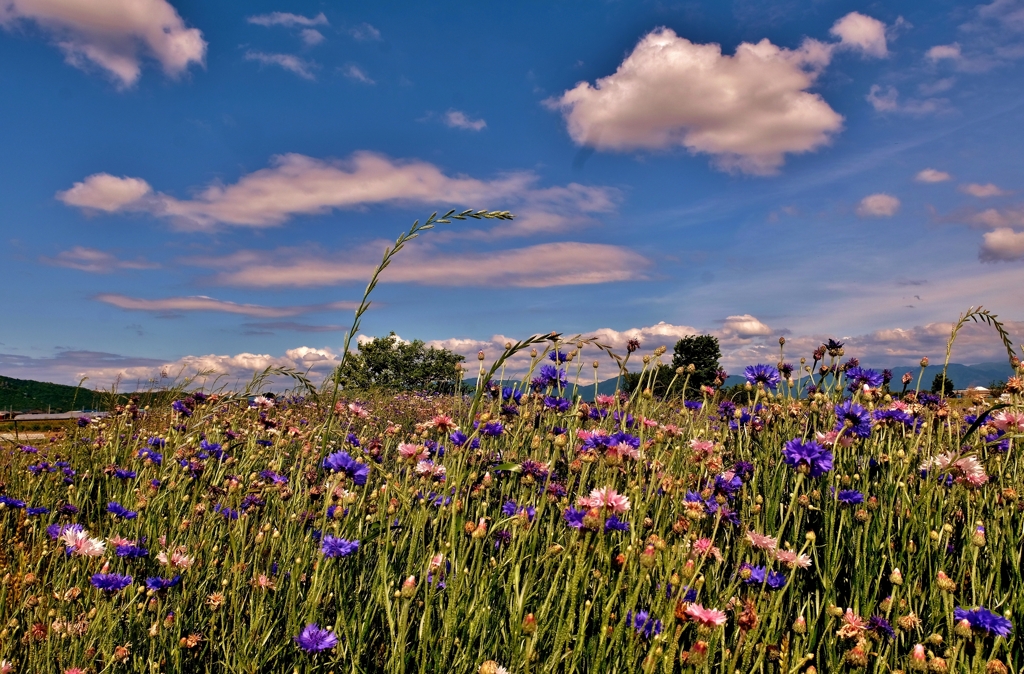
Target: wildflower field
{"points": [[817, 521]]}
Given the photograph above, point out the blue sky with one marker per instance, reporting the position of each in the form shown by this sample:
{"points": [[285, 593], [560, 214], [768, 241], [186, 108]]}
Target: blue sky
{"points": [[191, 184]]}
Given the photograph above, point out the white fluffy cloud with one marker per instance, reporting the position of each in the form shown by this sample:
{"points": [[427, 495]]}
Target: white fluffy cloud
{"points": [[296, 185], [942, 52], [457, 119], [745, 326], [863, 33], [878, 206], [747, 110], [288, 19], [104, 192], [203, 303], [289, 62], [930, 175], [992, 218], [114, 35], [553, 264], [1002, 245], [982, 191], [95, 261]]}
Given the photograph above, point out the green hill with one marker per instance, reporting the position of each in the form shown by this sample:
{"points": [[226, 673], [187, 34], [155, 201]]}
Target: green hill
{"points": [[25, 395]]}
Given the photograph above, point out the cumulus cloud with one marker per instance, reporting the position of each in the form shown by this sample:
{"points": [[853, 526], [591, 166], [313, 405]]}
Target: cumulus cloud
{"points": [[982, 191], [541, 266], [289, 62], [95, 261], [203, 303], [1002, 245], [457, 119], [354, 72], [114, 35], [992, 218], [863, 33], [104, 192], [364, 32], [942, 52], [887, 99], [296, 185], [287, 19], [930, 175], [747, 110], [745, 326], [878, 206], [312, 37]]}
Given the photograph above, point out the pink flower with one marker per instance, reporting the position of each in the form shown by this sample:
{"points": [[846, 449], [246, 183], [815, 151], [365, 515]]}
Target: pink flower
{"points": [[650, 423], [117, 541], [605, 400], [443, 423], [705, 617], [412, 453], [704, 547], [1008, 421], [829, 439], [793, 560], [624, 450], [973, 472], [80, 544], [853, 625], [705, 447], [178, 559], [357, 409], [606, 497], [762, 542]]}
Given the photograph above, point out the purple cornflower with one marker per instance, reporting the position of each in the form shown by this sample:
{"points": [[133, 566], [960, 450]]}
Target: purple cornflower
{"points": [[558, 356], [341, 462], [131, 551], [892, 418], [807, 457], [762, 374], [33, 512], [125, 474], [574, 517], [613, 523], [274, 477], [849, 412], [110, 582], [557, 404], [458, 438], [312, 639], [157, 584], [332, 546], [644, 624], [118, 510], [181, 408], [850, 497], [760, 575], [492, 429], [152, 455], [55, 531], [859, 378], [984, 620], [881, 627], [226, 512]]}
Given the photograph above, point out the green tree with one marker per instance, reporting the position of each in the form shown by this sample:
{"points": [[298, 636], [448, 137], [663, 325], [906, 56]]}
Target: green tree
{"points": [[701, 351], [392, 364], [942, 384]]}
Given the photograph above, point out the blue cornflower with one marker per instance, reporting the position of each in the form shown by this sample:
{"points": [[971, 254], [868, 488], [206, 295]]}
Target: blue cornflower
{"points": [[881, 627], [492, 429], [181, 408], [156, 442], [118, 510], [352, 439], [613, 523], [728, 484], [549, 375], [55, 531], [151, 455], [644, 624], [332, 546], [849, 497], [110, 582], [458, 438], [984, 620], [859, 378], [342, 462], [312, 639], [124, 474], [32, 512], [849, 412], [273, 477], [693, 405], [557, 404], [157, 584], [131, 551], [807, 457], [762, 374], [511, 394], [892, 417], [760, 575], [574, 517], [226, 512], [558, 357]]}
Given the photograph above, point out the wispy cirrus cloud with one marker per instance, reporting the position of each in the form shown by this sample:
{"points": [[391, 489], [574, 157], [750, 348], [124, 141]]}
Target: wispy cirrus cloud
{"points": [[297, 185], [113, 35], [203, 303], [288, 19], [540, 266], [290, 62], [95, 261]]}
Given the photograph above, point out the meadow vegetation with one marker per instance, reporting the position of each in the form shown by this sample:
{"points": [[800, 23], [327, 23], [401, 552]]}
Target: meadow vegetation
{"points": [[826, 523]]}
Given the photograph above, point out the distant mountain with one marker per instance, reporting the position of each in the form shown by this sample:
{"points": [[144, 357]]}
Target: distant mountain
{"points": [[586, 391], [963, 376], [26, 395]]}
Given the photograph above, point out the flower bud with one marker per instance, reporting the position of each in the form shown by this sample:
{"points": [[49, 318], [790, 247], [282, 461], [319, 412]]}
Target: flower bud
{"points": [[800, 625], [529, 624], [896, 577], [409, 587]]}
